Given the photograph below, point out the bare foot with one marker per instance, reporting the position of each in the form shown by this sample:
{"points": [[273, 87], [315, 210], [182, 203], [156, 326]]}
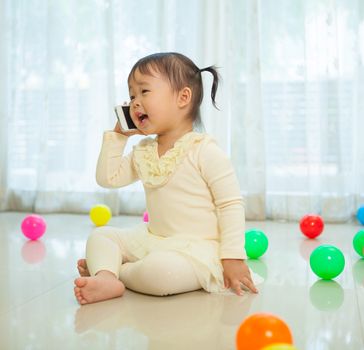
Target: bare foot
{"points": [[82, 268], [103, 286]]}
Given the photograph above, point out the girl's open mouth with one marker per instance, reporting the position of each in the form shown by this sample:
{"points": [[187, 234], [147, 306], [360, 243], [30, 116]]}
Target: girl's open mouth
{"points": [[142, 118]]}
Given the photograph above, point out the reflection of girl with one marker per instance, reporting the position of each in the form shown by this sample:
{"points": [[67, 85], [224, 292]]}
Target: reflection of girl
{"points": [[194, 238], [154, 323]]}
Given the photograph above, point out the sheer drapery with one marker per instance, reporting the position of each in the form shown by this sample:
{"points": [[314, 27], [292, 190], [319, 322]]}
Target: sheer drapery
{"points": [[291, 100]]}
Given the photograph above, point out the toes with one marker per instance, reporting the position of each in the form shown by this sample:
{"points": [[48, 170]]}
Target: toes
{"points": [[82, 268], [80, 298], [80, 282], [82, 263], [83, 272]]}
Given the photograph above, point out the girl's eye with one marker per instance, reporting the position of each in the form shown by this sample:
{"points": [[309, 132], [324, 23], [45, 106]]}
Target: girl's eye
{"points": [[132, 98], [144, 91]]}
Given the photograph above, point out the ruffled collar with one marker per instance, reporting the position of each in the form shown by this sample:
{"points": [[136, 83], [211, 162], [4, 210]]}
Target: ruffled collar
{"points": [[155, 171]]}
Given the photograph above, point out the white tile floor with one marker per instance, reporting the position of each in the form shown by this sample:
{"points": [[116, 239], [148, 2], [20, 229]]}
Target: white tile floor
{"points": [[38, 310]]}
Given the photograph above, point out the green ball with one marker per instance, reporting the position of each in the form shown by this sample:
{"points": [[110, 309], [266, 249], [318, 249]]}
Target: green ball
{"points": [[256, 243], [358, 243], [327, 262]]}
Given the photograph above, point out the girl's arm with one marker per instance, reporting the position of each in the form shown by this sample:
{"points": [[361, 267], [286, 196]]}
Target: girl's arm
{"points": [[114, 170], [220, 177]]}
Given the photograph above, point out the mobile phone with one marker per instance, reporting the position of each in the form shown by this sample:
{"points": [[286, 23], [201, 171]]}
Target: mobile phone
{"points": [[124, 118]]}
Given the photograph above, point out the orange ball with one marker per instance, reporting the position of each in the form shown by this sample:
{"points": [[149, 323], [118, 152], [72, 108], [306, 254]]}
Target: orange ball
{"points": [[260, 330]]}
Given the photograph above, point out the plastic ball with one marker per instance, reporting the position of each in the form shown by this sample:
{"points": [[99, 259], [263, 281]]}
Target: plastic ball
{"points": [[256, 243], [280, 346], [33, 226], [260, 330], [100, 214], [311, 225], [327, 262], [360, 215], [145, 216], [358, 243]]}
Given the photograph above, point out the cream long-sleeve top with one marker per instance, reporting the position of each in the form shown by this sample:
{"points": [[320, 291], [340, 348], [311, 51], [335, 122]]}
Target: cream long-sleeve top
{"points": [[190, 190]]}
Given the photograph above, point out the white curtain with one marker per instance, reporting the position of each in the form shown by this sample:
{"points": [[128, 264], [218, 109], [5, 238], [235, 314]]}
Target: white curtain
{"points": [[291, 100]]}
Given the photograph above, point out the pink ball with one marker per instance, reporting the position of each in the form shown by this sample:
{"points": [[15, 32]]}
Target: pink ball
{"points": [[145, 217], [33, 226]]}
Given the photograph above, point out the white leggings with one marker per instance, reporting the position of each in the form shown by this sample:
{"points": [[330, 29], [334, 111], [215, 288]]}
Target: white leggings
{"points": [[158, 273]]}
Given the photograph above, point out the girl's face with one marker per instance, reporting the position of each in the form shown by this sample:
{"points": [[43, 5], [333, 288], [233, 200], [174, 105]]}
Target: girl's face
{"points": [[153, 103]]}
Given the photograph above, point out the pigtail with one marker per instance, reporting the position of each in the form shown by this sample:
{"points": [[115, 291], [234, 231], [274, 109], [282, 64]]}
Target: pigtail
{"points": [[215, 83]]}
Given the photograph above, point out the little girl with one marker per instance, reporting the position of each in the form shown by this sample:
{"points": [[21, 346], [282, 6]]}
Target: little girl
{"points": [[195, 235]]}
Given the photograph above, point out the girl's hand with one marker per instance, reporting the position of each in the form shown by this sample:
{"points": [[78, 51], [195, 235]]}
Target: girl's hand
{"points": [[118, 129], [236, 272]]}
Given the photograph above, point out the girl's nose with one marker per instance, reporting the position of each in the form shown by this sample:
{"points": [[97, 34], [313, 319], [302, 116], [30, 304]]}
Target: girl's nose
{"points": [[135, 103]]}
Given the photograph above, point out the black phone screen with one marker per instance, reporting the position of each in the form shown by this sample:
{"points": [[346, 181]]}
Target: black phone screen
{"points": [[129, 121]]}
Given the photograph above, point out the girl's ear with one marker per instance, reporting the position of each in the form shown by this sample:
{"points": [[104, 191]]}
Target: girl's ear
{"points": [[184, 97]]}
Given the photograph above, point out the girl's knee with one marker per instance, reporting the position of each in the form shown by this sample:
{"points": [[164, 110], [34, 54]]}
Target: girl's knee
{"points": [[95, 235], [161, 273], [104, 232]]}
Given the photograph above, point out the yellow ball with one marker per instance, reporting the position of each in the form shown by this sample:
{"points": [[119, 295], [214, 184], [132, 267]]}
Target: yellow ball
{"points": [[280, 346], [100, 214]]}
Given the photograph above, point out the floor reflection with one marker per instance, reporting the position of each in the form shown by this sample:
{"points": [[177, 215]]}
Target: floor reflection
{"points": [[33, 252], [259, 267], [307, 246], [186, 319], [326, 295], [358, 272]]}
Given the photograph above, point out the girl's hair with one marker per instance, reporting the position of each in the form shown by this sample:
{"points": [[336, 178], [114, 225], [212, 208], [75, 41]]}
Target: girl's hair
{"points": [[181, 72]]}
